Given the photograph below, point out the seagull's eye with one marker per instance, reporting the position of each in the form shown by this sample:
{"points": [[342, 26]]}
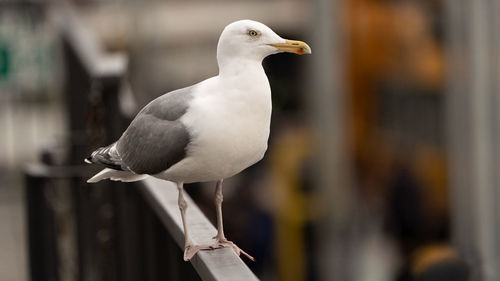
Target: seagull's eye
{"points": [[252, 33]]}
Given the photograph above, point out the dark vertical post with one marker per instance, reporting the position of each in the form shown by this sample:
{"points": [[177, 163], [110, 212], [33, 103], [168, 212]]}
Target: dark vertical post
{"points": [[77, 87], [43, 258]]}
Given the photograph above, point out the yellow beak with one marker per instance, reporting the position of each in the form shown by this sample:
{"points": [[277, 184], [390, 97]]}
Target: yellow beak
{"points": [[292, 46]]}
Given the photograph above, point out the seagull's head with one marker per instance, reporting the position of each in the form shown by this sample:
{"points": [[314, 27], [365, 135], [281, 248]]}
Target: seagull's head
{"points": [[247, 39]]}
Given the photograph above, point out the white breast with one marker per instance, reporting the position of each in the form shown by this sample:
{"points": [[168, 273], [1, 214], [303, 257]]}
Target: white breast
{"points": [[229, 122]]}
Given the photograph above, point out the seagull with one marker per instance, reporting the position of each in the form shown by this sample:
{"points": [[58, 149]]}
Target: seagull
{"points": [[206, 132]]}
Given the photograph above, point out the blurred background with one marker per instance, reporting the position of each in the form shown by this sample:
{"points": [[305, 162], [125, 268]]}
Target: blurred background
{"points": [[383, 160]]}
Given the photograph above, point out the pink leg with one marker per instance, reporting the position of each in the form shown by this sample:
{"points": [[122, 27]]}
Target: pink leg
{"points": [[221, 240], [189, 249]]}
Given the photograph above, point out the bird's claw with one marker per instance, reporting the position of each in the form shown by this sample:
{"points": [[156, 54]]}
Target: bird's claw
{"points": [[190, 250], [224, 243]]}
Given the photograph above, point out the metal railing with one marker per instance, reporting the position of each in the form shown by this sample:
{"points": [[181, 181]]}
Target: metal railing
{"points": [[109, 230]]}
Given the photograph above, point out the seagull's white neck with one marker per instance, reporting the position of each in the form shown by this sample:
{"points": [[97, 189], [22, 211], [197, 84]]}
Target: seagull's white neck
{"points": [[247, 81], [231, 67]]}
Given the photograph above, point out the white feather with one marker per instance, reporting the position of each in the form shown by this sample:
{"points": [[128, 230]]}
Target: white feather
{"points": [[116, 175]]}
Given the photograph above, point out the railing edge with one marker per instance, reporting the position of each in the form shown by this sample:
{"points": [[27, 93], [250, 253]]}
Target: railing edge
{"points": [[219, 264]]}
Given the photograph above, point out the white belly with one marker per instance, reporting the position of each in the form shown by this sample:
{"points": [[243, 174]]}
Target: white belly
{"points": [[218, 161], [228, 137]]}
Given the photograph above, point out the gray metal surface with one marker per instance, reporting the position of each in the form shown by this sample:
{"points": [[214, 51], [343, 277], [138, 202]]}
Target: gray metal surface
{"points": [[219, 264], [327, 113], [473, 129]]}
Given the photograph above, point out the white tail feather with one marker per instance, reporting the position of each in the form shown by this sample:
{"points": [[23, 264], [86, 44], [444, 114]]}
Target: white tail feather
{"points": [[116, 175]]}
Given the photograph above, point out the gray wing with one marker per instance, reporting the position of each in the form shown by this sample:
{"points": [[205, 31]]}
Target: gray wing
{"points": [[156, 139]]}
